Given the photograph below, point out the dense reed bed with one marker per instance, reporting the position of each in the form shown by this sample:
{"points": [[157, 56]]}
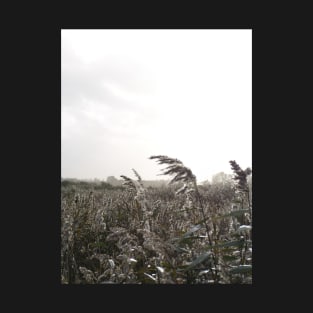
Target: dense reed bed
{"points": [[184, 233]]}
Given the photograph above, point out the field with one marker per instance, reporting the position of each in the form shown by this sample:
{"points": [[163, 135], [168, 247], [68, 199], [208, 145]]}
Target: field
{"points": [[181, 233]]}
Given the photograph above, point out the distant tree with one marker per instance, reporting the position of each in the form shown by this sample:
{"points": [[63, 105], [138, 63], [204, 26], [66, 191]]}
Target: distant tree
{"points": [[113, 181], [221, 178]]}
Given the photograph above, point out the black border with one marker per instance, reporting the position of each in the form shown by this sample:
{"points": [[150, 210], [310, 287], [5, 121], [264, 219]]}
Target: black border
{"points": [[42, 196]]}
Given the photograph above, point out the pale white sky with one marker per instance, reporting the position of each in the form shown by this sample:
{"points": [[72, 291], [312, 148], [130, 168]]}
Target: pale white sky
{"points": [[129, 94]]}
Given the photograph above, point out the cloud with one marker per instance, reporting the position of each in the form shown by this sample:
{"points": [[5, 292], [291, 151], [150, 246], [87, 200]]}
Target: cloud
{"points": [[128, 95]]}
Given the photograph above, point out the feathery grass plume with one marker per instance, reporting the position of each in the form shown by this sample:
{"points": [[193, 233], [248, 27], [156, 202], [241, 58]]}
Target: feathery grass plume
{"points": [[137, 175], [240, 175], [135, 185], [139, 193], [242, 182], [129, 183], [139, 184], [184, 174], [175, 168]]}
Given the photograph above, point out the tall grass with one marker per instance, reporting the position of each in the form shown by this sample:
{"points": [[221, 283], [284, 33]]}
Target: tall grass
{"points": [[184, 233]]}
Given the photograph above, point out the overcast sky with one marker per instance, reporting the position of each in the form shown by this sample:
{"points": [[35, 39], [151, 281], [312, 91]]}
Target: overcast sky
{"points": [[130, 94]]}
